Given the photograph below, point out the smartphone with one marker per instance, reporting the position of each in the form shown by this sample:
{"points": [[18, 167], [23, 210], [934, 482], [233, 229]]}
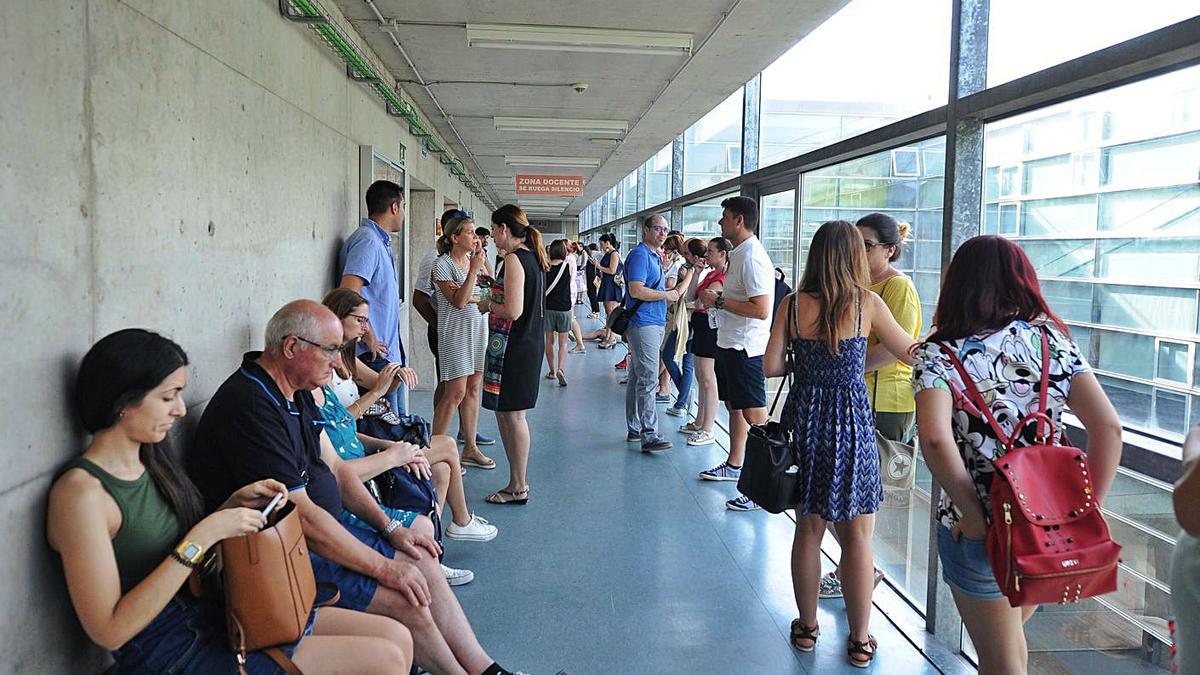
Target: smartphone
{"points": [[271, 506]]}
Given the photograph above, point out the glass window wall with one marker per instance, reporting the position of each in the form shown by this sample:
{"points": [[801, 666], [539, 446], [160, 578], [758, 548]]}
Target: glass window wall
{"points": [[905, 183], [807, 105], [1108, 200], [701, 219], [629, 190], [1025, 36], [777, 213], [658, 177], [712, 147]]}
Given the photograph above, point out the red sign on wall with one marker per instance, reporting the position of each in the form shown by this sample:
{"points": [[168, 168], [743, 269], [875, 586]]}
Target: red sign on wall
{"points": [[557, 186]]}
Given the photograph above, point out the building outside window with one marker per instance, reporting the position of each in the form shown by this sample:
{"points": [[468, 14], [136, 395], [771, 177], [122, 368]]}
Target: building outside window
{"points": [[1102, 193]]}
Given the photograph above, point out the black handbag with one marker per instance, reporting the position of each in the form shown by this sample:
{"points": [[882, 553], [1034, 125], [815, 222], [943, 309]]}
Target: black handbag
{"points": [[618, 319], [769, 471]]}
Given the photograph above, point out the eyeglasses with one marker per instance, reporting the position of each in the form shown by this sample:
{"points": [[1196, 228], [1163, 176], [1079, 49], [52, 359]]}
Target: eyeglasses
{"points": [[331, 351], [362, 320], [872, 244], [661, 229]]}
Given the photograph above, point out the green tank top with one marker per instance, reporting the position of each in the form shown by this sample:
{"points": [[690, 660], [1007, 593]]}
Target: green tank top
{"points": [[149, 528]]}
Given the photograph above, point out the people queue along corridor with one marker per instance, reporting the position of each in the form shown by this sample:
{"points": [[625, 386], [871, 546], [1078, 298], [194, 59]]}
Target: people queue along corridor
{"points": [[318, 417], [852, 328]]}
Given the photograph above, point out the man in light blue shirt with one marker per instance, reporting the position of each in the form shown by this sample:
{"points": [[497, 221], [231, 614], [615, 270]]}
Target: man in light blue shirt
{"points": [[647, 304], [368, 267]]}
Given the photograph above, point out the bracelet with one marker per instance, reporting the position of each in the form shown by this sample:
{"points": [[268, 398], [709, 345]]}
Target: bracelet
{"points": [[392, 526]]}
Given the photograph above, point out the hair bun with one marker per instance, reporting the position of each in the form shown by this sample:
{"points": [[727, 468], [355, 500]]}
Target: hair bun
{"points": [[904, 229]]}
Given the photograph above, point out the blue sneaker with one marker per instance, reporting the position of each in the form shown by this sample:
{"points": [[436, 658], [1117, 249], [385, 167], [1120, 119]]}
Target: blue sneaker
{"points": [[722, 471], [742, 503], [656, 445], [480, 439], [633, 438]]}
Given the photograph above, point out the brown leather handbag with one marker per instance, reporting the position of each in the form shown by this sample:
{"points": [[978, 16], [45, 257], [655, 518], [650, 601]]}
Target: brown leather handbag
{"points": [[269, 587]]}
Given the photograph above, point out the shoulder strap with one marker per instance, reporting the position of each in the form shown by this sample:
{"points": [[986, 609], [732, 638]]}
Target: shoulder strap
{"points": [[562, 267], [1040, 415], [858, 308], [788, 356], [973, 393]]}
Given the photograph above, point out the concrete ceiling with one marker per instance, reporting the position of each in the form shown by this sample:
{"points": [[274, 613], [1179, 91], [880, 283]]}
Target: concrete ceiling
{"points": [[659, 96]]}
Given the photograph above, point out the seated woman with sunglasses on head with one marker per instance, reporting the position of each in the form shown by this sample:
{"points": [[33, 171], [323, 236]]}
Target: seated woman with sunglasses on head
{"points": [[129, 527]]}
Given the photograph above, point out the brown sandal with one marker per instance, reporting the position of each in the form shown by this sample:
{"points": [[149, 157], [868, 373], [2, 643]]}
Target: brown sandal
{"points": [[802, 632], [857, 648], [508, 497]]}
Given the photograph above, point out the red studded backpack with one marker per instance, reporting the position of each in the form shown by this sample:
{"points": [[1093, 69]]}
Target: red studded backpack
{"points": [[1048, 542]]}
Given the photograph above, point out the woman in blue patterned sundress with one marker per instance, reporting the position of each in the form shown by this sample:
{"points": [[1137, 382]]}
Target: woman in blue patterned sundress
{"points": [[833, 431]]}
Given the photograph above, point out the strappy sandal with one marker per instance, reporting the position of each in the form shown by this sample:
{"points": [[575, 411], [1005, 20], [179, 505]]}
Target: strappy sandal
{"points": [[802, 632], [482, 463], [508, 497], [867, 649]]}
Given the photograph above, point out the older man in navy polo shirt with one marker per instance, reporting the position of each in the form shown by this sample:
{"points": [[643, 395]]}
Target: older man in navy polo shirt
{"points": [[368, 267], [263, 422]]}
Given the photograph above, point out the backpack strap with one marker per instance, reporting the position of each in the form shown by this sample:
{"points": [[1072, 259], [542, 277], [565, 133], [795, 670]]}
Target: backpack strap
{"points": [[1040, 415]]}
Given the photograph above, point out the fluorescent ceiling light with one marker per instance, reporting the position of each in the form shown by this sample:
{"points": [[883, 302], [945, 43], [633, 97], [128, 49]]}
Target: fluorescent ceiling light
{"points": [[566, 38], [558, 124], [542, 160]]}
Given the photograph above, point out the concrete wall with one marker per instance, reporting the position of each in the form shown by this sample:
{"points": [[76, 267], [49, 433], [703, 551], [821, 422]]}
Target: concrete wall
{"points": [[184, 167]]}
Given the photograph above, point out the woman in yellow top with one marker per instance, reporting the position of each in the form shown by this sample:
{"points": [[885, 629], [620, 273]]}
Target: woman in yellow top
{"points": [[890, 387]]}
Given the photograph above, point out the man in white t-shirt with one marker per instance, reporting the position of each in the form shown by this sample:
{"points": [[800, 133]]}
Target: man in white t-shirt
{"points": [[744, 311]]}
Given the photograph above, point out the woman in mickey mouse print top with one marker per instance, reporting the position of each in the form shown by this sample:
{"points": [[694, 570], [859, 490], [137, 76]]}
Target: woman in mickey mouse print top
{"points": [[992, 314]]}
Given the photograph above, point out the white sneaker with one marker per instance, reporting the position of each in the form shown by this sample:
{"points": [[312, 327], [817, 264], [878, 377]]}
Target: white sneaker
{"points": [[457, 577], [675, 411], [478, 529], [701, 437]]}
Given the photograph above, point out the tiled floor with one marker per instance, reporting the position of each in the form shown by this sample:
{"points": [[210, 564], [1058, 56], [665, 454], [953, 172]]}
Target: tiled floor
{"points": [[626, 563]]}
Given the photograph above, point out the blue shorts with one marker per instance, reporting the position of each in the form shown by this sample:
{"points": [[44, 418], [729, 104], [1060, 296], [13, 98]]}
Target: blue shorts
{"points": [[740, 380], [358, 590], [966, 566]]}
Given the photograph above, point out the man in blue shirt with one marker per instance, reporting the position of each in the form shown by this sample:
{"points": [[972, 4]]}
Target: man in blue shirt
{"points": [[368, 267], [647, 303]]}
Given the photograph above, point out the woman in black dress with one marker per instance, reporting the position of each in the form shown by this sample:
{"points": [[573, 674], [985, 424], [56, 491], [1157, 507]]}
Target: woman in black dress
{"points": [[515, 343]]}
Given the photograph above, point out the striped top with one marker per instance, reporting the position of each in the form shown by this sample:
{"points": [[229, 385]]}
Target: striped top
{"points": [[462, 333]]}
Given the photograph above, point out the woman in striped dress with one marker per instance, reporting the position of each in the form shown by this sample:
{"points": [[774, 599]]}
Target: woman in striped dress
{"points": [[462, 334]]}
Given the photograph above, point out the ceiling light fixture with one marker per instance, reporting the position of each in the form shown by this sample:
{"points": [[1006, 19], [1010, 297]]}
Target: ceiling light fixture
{"points": [[541, 160], [566, 38], [560, 125]]}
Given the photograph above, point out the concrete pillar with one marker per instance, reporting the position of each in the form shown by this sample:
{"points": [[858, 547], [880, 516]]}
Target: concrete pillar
{"points": [[424, 208], [961, 218]]}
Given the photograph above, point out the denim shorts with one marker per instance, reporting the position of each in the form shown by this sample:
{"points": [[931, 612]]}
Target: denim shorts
{"points": [[966, 566], [189, 638], [357, 590]]}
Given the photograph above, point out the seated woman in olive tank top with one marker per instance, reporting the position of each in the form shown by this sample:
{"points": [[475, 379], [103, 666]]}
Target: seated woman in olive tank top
{"points": [[129, 527]]}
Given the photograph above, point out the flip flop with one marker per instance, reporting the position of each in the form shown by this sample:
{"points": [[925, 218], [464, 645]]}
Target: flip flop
{"points": [[467, 461], [508, 497]]}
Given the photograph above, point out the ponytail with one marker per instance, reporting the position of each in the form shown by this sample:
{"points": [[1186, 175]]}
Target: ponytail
{"points": [[512, 217]]}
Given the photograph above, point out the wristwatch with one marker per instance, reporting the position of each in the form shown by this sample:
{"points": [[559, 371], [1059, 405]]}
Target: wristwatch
{"points": [[187, 553], [720, 301], [392, 526]]}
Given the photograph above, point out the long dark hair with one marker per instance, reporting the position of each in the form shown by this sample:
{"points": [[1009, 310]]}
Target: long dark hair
{"points": [[836, 272], [989, 283], [512, 217], [118, 371], [342, 301]]}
